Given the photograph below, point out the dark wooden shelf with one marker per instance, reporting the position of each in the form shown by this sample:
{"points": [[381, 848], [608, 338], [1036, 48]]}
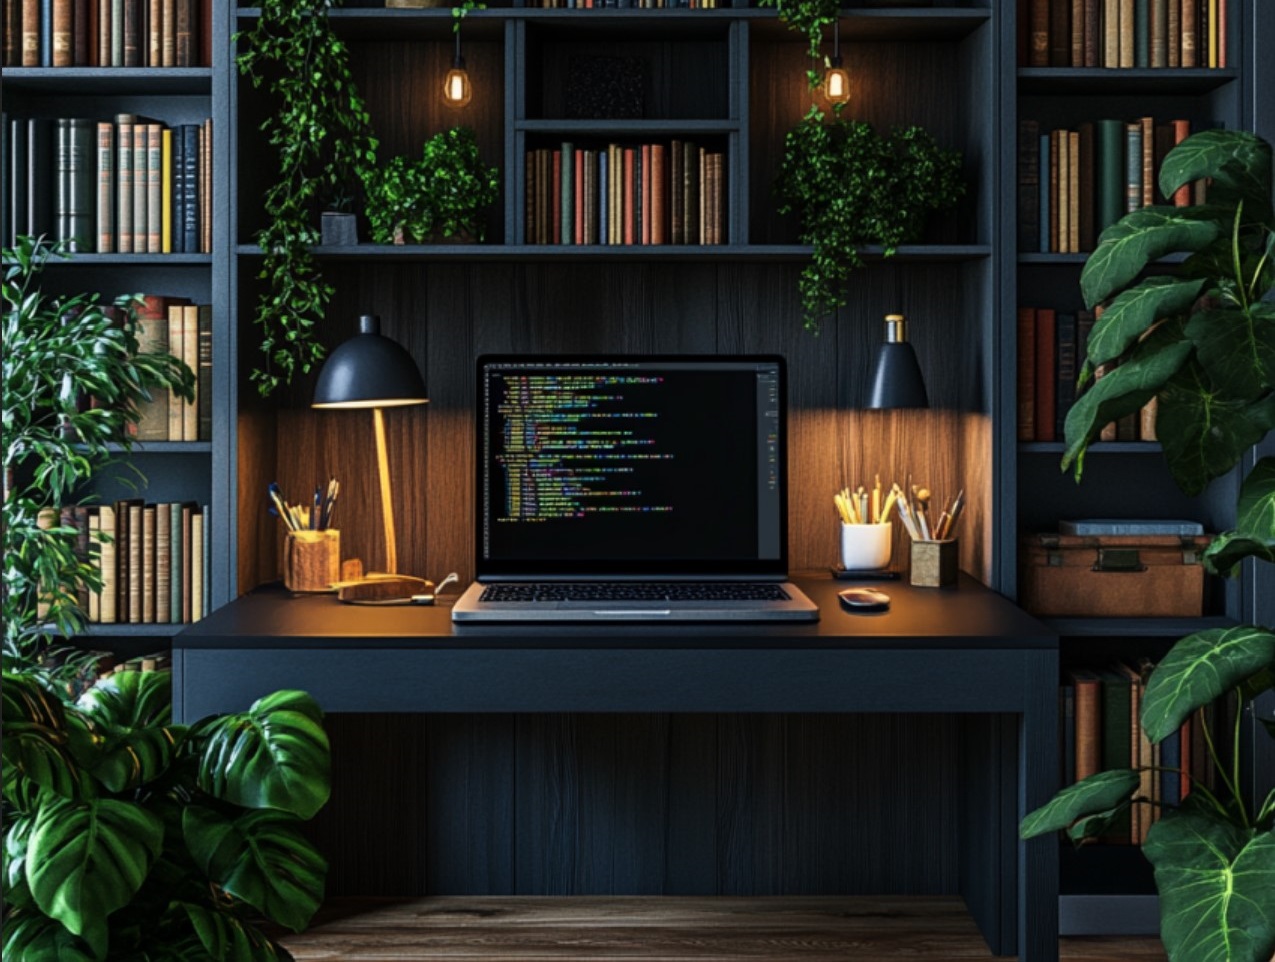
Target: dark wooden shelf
{"points": [[589, 128], [131, 260], [1099, 447], [151, 81], [1059, 259], [922, 253], [1135, 627], [164, 447], [116, 631], [1167, 81]]}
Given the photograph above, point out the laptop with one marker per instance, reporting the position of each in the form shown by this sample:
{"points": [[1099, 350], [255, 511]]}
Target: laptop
{"points": [[631, 489]]}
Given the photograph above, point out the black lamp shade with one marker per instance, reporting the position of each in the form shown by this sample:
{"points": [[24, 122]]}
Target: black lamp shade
{"points": [[897, 380], [369, 371]]}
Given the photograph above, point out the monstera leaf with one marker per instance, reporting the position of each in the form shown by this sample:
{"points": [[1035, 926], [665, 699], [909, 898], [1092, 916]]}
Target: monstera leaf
{"points": [[39, 738], [1254, 534], [261, 858], [131, 711], [1200, 668], [1129, 245], [1097, 795], [1217, 887], [32, 936], [1131, 313], [1238, 164], [275, 755], [226, 938]]}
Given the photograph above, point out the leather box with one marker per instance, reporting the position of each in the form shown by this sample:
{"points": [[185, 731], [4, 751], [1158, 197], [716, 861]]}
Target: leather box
{"points": [[1134, 576]]}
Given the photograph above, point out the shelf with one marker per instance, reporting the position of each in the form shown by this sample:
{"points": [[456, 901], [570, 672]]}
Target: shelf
{"points": [[104, 81], [628, 128], [1167, 81], [1058, 259], [493, 253], [116, 631], [1098, 447], [1135, 627], [131, 260], [164, 447]]}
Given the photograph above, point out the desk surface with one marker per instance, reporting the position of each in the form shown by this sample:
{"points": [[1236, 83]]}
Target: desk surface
{"points": [[931, 618]]}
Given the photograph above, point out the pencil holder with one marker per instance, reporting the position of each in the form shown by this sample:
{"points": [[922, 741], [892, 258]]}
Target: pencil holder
{"points": [[935, 564], [311, 560], [866, 547]]}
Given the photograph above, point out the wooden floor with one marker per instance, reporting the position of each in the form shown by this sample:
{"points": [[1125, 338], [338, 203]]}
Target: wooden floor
{"points": [[652, 929]]}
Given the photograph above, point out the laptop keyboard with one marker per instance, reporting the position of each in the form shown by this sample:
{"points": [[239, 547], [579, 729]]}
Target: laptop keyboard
{"points": [[638, 591]]}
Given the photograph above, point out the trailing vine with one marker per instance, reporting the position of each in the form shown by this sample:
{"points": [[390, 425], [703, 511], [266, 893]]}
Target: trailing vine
{"points": [[323, 135], [809, 18]]}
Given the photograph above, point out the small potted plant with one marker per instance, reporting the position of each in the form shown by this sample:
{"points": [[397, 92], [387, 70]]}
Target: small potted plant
{"points": [[441, 196]]}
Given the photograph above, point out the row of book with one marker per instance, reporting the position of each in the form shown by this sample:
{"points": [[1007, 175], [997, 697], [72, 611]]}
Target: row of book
{"points": [[1102, 730], [626, 194], [626, 4], [1122, 33], [130, 185], [170, 325], [1051, 349], [153, 560], [107, 33], [1073, 184]]}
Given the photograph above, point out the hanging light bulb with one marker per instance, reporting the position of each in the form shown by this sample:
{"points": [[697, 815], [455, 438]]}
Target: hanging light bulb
{"points": [[836, 82], [457, 90]]}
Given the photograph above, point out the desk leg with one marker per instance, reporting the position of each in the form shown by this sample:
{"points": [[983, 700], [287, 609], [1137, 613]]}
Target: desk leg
{"points": [[1037, 781]]}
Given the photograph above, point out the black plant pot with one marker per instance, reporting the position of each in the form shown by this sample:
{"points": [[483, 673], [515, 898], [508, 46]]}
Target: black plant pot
{"points": [[337, 229]]}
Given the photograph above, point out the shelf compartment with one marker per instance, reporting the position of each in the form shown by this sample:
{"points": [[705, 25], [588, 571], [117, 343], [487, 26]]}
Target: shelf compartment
{"points": [[158, 81], [1135, 627], [130, 260], [1070, 81]]}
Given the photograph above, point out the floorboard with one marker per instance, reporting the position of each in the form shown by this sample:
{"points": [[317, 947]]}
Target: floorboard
{"points": [[656, 929]]}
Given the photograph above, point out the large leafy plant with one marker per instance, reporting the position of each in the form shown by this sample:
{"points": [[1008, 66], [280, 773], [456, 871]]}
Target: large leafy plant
{"points": [[59, 352], [322, 134], [127, 837], [1202, 340], [443, 194], [850, 185]]}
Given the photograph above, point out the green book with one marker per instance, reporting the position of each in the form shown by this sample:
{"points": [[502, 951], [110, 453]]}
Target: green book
{"points": [[1117, 736], [568, 181], [1110, 173]]}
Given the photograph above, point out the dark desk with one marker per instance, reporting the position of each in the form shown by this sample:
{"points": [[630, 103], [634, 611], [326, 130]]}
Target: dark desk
{"points": [[963, 650]]}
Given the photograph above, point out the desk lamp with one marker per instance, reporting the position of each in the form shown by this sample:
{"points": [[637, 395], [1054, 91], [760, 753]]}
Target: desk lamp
{"points": [[372, 371], [897, 382]]}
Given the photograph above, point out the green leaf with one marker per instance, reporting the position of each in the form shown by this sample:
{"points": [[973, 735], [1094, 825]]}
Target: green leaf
{"points": [[1129, 245], [275, 755], [259, 857], [1131, 313], [132, 710], [86, 860], [1217, 888], [1254, 534], [1094, 795], [36, 938], [37, 737], [1204, 435], [17, 835], [1237, 162], [1101, 823], [1236, 348], [1200, 668], [228, 938]]}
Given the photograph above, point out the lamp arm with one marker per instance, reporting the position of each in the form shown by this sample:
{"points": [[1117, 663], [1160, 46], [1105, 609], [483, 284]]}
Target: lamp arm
{"points": [[387, 505]]}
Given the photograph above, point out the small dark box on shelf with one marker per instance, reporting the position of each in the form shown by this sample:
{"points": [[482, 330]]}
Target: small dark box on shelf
{"points": [[605, 88], [1113, 576]]}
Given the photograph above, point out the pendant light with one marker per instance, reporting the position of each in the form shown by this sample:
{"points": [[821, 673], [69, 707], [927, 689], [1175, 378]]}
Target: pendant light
{"points": [[457, 90], [836, 82]]}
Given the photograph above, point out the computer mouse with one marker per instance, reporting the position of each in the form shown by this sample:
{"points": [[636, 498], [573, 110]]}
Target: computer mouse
{"points": [[863, 599]]}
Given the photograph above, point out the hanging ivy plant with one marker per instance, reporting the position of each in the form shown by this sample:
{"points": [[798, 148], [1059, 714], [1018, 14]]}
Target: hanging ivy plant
{"points": [[323, 136], [809, 18], [851, 186]]}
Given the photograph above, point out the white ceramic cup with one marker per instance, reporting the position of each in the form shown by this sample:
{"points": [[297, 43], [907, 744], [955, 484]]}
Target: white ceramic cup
{"points": [[865, 547]]}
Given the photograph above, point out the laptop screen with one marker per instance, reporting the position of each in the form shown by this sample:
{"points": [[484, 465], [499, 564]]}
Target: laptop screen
{"points": [[631, 465]]}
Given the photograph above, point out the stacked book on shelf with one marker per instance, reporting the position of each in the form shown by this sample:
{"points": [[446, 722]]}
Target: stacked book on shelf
{"points": [[170, 325], [626, 4], [1122, 33], [1073, 184], [1052, 345], [626, 194], [107, 33], [127, 186], [1102, 730], [153, 561]]}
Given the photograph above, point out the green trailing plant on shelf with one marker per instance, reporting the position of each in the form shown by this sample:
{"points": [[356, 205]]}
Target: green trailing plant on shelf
{"points": [[127, 837], [322, 134], [442, 195], [809, 18], [58, 353], [850, 186], [1201, 340]]}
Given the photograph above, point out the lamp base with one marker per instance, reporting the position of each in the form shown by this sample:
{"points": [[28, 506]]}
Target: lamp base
{"points": [[377, 588]]}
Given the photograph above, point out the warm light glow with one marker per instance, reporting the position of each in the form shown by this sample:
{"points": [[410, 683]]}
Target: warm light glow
{"points": [[457, 90], [836, 85]]}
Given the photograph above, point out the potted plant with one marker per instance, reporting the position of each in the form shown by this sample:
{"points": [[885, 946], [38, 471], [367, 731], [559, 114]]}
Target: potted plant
{"points": [[322, 133], [1202, 341], [443, 195], [129, 837], [850, 185], [59, 351]]}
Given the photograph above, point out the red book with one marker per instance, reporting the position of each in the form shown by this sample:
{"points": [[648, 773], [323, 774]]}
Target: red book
{"points": [[659, 194], [556, 236], [83, 37], [1026, 374], [646, 193], [63, 33], [1181, 131], [1221, 33], [1039, 18], [578, 161], [628, 195], [1046, 372]]}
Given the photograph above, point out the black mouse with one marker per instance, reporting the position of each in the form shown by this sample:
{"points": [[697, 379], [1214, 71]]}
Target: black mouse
{"points": [[863, 599]]}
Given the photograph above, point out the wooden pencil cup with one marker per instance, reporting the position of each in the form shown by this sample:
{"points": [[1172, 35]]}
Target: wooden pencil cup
{"points": [[935, 564], [312, 560]]}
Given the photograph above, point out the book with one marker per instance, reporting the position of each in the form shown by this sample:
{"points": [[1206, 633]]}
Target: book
{"points": [[1111, 140], [148, 564], [677, 208], [190, 188], [187, 518], [30, 33], [190, 357], [1059, 33], [154, 33], [1088, 688], [109, 595], [124, 124], [94, 609], [1095, 527], [166, 192], [151, 316], [1026, 374], [12, 43], [1146, 420], [105, 187], [134, 542], [16, 185], [1117, 737], [1065, 328], [163, 564], [1039, 20], [196, 565], [205, 186], [176, 536], [203, 375], [1133, 167], [177, 348], [168, 34], [61, 43], [185, 41], [41, 176], [1086, 202], [1046, 373], [132, 33], [566, 192]]}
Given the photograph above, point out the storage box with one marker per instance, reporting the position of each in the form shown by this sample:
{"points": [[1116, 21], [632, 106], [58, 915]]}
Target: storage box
{"points": [[1147, 576]]}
